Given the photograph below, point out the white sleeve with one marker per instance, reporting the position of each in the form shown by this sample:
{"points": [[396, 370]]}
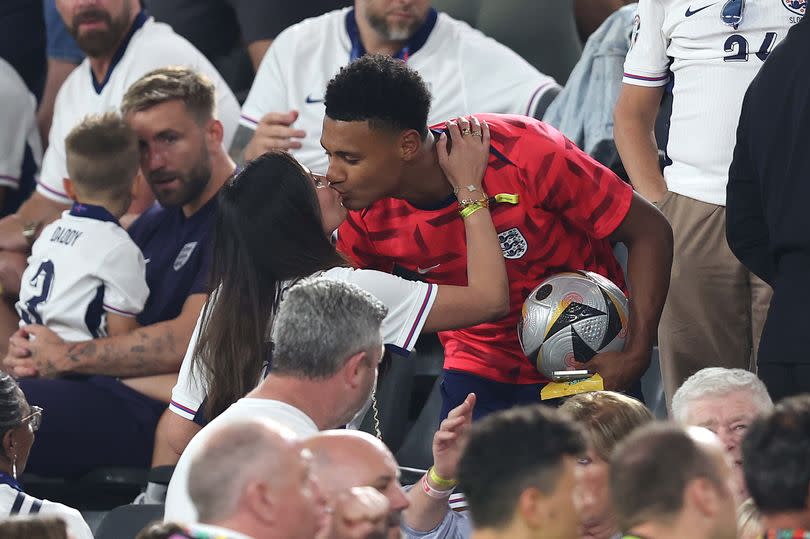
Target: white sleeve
{"points": [[17, 118], [497, 79], [408, 302], [54, 168], [123, 272], [76, 526], [190, 391], [269, 90], [647, 63]]}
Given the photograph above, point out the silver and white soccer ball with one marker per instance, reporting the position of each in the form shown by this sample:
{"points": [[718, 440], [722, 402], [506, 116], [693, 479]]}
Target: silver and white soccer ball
{"points": [[571, 317]]}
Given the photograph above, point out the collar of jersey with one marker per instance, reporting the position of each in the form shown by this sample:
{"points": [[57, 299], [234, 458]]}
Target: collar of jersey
{"points": [[6, 479], [140, 20], [90, 211], [416, 42]]}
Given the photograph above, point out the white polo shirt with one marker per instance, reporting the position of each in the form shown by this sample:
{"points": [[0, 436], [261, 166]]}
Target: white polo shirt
{"points": [[408, 302], [712, 65], [18, 125], [466, 72], [179, 507], [152, 45]]}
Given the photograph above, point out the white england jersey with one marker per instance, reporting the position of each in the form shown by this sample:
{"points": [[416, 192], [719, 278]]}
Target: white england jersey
{"points": [[712, 65], [18, 125], [18, 503], [466, 72], [153, 45], [82, 266], [408, 302]]}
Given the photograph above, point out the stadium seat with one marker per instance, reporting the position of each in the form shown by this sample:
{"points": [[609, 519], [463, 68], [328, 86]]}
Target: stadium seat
{"points": [[543, 32], [416, 450], [126, 521], [101, 489]]}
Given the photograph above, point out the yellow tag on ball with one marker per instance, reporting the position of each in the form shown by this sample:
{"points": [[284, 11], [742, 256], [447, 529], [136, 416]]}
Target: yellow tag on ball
{"points": [[555, 390]]}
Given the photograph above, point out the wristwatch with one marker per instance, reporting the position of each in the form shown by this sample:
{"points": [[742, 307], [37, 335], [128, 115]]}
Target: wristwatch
{"points": [[29, 231]]}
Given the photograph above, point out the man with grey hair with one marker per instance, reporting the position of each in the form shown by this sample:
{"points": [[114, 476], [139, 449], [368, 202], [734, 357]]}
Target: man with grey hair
{"points": [[327, 346], [253, 477], [725, 401]]}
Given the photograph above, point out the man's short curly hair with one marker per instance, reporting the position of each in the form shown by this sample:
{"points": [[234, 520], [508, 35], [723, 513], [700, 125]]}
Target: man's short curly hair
{"points": [[382, 90]]}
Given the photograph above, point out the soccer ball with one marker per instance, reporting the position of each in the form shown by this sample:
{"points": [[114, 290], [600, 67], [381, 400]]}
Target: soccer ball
{"points": [[572, 316]]}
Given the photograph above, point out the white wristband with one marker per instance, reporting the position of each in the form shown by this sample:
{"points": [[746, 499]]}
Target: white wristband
{"points": [[434, 493]]}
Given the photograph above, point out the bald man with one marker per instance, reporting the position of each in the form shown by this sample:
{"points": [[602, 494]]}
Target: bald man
{"points": [[254, 477], [346, 458]]}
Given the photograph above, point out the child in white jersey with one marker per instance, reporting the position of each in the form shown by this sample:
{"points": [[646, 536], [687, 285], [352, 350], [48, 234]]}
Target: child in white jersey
{"points": [[86, 277]]}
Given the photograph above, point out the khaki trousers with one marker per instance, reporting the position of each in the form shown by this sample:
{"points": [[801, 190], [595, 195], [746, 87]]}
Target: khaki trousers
{"points": [[716, 308]]}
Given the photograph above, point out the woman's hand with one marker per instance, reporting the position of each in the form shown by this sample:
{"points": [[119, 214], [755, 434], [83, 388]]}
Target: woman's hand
{"points": [[464, 159]]}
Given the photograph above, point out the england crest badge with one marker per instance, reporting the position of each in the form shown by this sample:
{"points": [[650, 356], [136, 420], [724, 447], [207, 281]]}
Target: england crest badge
{"points": [[184, 255], [796, 6], [513, 244]]}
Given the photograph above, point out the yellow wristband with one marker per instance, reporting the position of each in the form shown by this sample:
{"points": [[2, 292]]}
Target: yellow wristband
{"points": [[507, 198], [470, 209], [440, 481]]}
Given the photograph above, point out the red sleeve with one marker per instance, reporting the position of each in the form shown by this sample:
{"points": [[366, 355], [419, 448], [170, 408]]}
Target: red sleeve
{"points": [[567, 181], [353, 242]]}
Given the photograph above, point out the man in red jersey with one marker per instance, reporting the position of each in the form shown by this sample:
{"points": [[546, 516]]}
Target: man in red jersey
{"points": [[555, 209]]}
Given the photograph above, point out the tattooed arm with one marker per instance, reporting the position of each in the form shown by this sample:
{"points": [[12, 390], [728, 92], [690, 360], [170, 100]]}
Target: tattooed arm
{"points": [[156, 349]]}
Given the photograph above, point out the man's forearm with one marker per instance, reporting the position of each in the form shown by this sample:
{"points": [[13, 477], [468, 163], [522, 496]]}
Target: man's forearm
{"points": [[37, 209], [424, 512], [633, 132], [155, 349], [649, 263]]}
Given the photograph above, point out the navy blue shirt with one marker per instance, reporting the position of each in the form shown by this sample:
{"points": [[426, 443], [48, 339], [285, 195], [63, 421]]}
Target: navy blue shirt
{"points": [[177, 251]]}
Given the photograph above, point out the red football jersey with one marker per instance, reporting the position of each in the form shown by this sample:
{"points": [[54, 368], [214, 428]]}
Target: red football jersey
{"points": [[568, 204]]}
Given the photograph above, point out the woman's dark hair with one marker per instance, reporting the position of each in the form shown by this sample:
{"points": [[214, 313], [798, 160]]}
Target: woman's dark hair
{"points": [[11, 404], [39, 527], [268, 231]]}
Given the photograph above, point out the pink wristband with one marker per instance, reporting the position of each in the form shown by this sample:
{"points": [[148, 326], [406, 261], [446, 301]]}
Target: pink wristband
{"points": [[432, 492]]}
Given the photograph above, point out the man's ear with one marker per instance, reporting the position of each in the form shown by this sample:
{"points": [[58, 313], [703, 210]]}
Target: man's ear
{"points": [[258, 499], [410, 143], [67, 183], [214, 133], [532, 508], [8, 443], [354, 368], [703, 495]]}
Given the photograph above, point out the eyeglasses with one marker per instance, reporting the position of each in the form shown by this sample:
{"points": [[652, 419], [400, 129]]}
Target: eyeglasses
{"points": [[732, 13], [319, 180], [34, 419]]}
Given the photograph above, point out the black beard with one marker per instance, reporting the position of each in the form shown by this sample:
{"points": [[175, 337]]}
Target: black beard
{"points": [[98, 42]]}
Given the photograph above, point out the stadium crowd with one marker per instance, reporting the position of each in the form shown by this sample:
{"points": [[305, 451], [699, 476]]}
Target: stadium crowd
{"points": [[230, 228]]}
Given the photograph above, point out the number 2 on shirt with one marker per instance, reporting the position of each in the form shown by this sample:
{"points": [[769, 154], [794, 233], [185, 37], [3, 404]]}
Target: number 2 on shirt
{"points": [[30, 315], [738, 43]]}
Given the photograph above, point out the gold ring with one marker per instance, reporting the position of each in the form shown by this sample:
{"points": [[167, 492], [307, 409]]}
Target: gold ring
{"points": [[478, 134], [466, 131]]}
